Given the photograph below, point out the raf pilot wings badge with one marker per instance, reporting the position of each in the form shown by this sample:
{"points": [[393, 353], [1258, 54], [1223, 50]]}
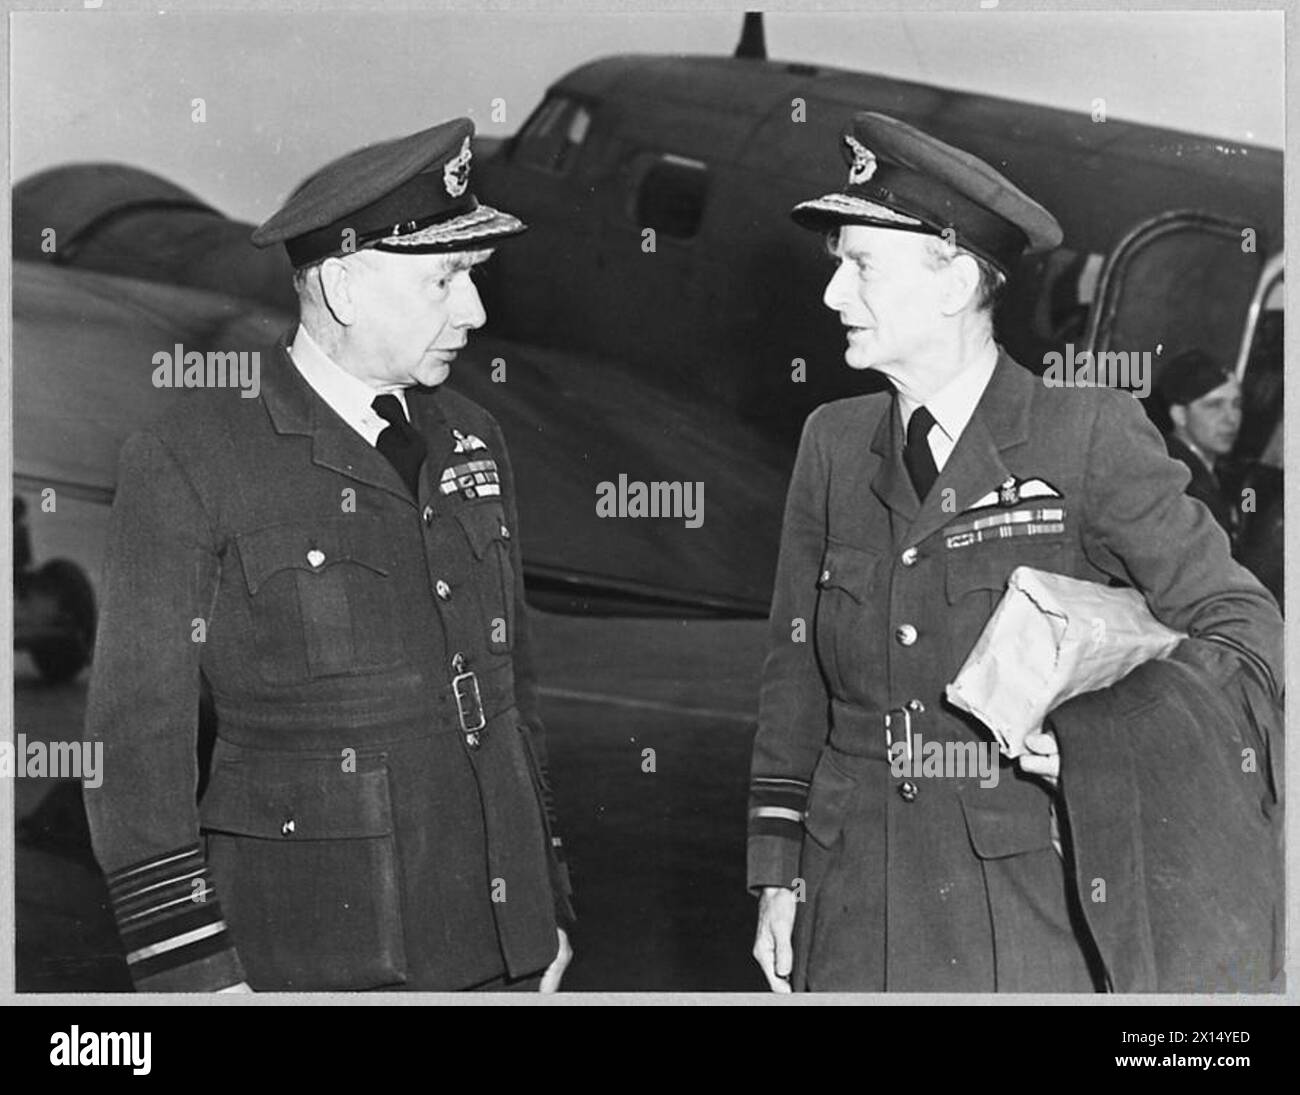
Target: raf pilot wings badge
{"points": [[1019, 507], [467, 442]]}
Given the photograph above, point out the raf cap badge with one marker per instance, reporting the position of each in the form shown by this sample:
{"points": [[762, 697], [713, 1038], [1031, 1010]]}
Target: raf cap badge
{"points": [[864, 161], [455, 172]]}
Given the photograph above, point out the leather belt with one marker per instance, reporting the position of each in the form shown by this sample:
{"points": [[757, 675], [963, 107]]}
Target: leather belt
{"points": [[864, 732], [873, 736]]}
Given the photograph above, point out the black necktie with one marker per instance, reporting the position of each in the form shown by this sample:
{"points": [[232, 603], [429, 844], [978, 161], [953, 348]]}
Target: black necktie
{"points": [[399, 442], [917, 456]]}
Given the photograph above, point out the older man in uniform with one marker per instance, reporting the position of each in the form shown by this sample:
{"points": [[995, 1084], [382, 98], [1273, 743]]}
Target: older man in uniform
{"points": [[906, 513], [339, 562]]}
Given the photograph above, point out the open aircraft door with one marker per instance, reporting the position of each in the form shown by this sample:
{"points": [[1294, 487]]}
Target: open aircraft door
{"points": [[1259, 365], [1259, 445], [1178, 281], [1185, 280]]}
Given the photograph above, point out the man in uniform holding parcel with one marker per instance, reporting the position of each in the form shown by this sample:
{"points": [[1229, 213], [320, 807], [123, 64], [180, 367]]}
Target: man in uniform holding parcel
{"points": [[906, 513], [339, 561]]}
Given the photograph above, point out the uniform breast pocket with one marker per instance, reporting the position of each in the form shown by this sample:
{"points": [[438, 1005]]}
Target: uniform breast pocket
{"points": [[493, 575], [303, 861], [322, 598], [980, 571], [848, 577]]}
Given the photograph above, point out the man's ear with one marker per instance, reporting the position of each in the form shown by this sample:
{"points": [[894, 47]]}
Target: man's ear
{"points": [[1178, 416], [961, 280], [336, 289]]}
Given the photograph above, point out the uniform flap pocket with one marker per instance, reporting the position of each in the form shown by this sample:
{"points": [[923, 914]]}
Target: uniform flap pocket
{"points": [[849, 568], [484, 524], [283, 797], [829, 800], [314, 548], [1000, 830], [989, 565]]}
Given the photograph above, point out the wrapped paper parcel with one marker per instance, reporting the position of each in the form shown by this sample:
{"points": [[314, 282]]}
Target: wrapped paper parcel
{"points": [[1049, 639]]}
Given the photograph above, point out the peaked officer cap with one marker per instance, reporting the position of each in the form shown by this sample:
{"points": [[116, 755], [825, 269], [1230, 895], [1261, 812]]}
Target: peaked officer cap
{"points": [[902, 178], [1186, 377], [409, 196]]}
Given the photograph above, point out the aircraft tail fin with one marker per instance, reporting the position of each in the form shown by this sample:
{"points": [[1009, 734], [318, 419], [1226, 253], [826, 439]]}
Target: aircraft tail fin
{"points": [[753, 44]]}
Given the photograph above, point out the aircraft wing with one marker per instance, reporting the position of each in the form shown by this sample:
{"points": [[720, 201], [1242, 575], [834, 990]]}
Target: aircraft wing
{"points": [[83, 364], [573, 424]]}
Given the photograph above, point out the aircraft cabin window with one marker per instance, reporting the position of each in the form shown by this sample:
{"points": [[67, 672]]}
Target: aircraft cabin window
{"points": [[671, 196], [554, 134]]}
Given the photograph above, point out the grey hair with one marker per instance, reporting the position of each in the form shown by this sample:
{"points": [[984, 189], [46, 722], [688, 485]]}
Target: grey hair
{"points": [[940, 250], [304, 278]]}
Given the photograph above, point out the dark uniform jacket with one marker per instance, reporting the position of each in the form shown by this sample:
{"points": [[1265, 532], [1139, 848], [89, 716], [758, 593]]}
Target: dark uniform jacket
{"points": [[355, 832], [1178, 847], [1205, 486], [879, 600]]}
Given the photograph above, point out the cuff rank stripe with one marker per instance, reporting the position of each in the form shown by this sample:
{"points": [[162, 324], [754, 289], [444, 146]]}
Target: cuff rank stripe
{"points": [[776, 826], [776, 806], [167, 912], [127, 881], [778, 812], [764, 783], [181, 950]]}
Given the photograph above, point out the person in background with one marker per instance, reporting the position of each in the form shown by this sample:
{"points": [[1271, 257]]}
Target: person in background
{"points": [[1204, 401]]}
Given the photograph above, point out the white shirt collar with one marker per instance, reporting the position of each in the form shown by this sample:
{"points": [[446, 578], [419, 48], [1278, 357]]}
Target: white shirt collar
{"points": [[347, 395], [955, 403]]}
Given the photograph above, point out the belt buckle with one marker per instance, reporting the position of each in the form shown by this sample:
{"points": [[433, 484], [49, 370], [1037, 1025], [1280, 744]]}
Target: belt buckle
{"points": [[907, 789], [906, 730], [469, 706]]}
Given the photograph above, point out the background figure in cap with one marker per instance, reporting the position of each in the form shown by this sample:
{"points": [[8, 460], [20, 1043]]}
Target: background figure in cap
{"points": [[338, 561], [878, 867], [1204, 402]]}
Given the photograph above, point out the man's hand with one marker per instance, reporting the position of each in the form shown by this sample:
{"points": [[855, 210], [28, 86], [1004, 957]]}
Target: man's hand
{"points": [[772, 948], [1043, 758], [555, 971]]}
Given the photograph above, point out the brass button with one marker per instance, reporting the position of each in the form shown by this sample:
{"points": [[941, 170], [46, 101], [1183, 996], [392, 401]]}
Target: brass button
{"points": [[915, 706], [826, 576], [428, 515], [458, 662], [906, 635], [907, 791], [505, 533], [908, 557], [442, 589], [288, 828]]}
